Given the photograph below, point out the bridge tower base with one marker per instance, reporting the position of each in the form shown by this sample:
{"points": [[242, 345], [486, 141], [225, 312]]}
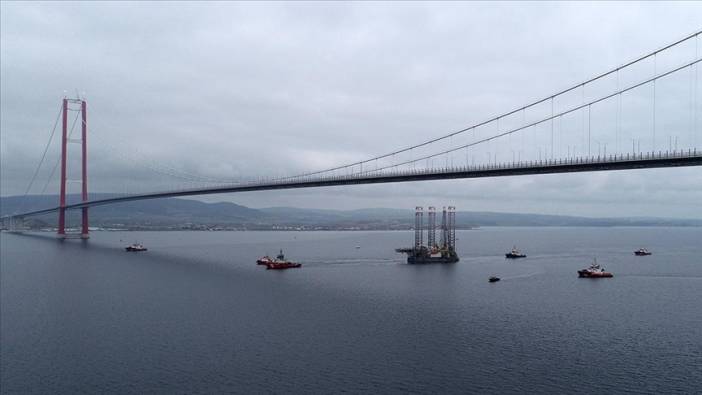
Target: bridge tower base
{"points": [[81, 107]]}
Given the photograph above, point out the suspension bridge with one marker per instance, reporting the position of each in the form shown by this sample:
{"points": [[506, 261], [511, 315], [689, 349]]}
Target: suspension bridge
{"points": [[647, 110]]}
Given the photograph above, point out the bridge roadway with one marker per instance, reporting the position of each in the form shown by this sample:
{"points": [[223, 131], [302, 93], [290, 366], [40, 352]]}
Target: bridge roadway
{"points": [[619, 162]]}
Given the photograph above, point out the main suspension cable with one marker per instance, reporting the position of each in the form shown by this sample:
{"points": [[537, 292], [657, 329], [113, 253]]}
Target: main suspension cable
{"points": [[588, 105], [532, 104], [41, 161], [53, 171]]}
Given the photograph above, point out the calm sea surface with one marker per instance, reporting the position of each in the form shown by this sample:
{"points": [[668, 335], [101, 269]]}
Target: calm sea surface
{"points": [[195, 314]]}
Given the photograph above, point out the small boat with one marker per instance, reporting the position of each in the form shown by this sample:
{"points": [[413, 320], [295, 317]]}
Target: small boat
{"points": [[357, 247], [594, 271], [136, 247], [278, 263], [515, 253], [642, 252], [494, 279]]}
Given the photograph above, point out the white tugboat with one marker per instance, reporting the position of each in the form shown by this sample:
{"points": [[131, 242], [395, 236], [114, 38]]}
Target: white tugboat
{"points": [[136, 247], [515, 253]]}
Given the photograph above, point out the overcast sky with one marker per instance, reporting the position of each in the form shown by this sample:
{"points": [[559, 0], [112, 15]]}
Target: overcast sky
{"points": [[229, 90]]}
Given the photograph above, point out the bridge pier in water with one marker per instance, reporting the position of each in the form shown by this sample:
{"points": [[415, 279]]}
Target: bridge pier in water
{"points": [[13, 224], [84, 232]]}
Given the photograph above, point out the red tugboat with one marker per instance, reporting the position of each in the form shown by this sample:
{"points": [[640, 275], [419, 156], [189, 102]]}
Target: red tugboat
{"points": [[278, 263], [642, 252], [594, 271]]}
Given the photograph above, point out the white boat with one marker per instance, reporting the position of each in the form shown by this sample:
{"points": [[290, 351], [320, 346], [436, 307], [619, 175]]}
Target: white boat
{"points": [[136, 247]]}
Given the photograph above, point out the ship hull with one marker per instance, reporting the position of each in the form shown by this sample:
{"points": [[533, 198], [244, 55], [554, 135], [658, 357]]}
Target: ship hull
{"points": [[282, 266], [424, 260], [586, 274]]}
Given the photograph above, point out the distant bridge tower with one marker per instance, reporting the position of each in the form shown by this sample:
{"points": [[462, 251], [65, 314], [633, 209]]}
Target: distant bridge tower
{"points": [[418, 220], [78, 105], [444, 235], [431, 227], [452, 228]]}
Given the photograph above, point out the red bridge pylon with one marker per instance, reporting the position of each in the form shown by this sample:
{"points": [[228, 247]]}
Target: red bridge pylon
{"points": [[81, 106]]}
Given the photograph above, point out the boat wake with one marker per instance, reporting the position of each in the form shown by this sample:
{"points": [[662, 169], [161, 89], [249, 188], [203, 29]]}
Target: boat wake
{"points": [[520, 276], [375, 261], [669, 276]]}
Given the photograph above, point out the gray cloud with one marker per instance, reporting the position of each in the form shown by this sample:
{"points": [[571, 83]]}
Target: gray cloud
{"points": [[225, 90]]}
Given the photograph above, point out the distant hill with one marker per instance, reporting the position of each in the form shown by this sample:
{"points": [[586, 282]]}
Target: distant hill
{"points": [[471, 218], [154, 213], [176, 213]]}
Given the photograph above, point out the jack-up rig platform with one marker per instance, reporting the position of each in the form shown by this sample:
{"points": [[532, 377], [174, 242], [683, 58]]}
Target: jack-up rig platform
{"points": [[442, 252]]}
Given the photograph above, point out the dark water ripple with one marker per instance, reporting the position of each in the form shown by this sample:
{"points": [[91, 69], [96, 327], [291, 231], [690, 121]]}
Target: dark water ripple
{"points": [[196, 315]]}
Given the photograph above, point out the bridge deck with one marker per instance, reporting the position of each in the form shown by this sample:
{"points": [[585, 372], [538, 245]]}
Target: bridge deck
{"points": [[620, 162]]}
